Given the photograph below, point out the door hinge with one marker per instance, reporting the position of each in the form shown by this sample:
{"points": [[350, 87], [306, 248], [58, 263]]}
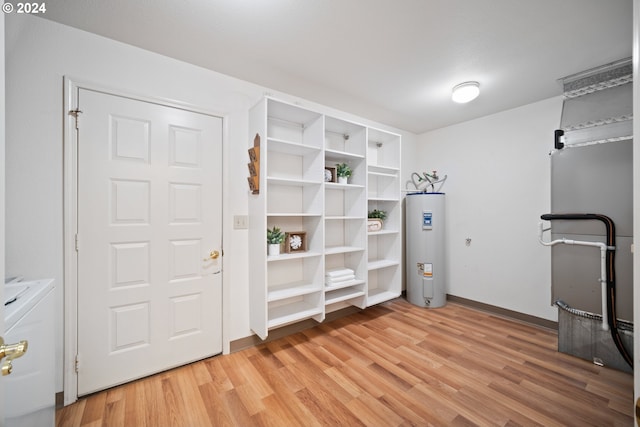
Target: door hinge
{"points": [[75, 114], [77, 364], [76, 243]]}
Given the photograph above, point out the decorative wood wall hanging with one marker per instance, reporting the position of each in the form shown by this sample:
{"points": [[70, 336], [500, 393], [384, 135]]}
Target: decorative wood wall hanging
{"points": [[254, 166]]}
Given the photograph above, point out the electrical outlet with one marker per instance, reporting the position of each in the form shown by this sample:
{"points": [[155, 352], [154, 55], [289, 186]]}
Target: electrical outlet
{"points": [[240, 222]]}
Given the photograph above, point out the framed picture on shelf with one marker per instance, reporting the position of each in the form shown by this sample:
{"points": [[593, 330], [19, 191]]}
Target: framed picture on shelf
{"points": [[295, 241], [330, 174]]}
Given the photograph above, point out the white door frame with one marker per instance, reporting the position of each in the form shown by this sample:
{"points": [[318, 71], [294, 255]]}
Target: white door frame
{"points": [[636, 205], [3, 131], [70, 205]]}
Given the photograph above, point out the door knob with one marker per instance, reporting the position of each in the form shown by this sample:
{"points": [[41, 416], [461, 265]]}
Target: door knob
{"points": [[11, 351], [212, 255]]}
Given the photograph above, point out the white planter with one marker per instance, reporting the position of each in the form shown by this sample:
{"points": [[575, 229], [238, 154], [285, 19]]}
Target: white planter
{"points": [[374, 224], [273, 249], [343, 179]]}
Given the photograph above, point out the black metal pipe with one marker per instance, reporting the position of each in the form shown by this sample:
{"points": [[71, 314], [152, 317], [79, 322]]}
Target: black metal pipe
{"points": [[610, 273]]}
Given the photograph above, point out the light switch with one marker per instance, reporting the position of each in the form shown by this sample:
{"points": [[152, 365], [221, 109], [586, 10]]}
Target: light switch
{"points": [[240, 222]]}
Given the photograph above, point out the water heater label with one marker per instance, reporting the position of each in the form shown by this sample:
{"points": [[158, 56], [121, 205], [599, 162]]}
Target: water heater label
{"points": [[427, 220], [427, 270]]}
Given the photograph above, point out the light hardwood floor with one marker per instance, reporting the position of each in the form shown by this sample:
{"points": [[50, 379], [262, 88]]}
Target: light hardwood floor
{"points": [[390, 365]]}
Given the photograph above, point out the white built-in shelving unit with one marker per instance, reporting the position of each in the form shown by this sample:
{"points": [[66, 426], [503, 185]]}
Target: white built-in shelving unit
{"points": [[296, 145]]}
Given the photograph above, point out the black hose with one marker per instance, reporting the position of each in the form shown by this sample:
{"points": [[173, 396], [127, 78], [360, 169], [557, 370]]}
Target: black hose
{"points": [[610, 273]]}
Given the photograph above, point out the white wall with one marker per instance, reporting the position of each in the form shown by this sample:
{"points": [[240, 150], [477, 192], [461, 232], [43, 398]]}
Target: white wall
{"points": [[498, 185], [39, 54]]}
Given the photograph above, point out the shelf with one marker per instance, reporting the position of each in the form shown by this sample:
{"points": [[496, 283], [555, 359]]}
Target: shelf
{"points": [[381, 263], [290, 147], [341, 249], [383, 170], [297, 255], [293, 214], [330, 218], [336, 186], [293, 115], [383, 199], [335, 155], [348, 284], [289, 290], [382, 232], [284, 314], [292, 182], [377, 296], [333, 297], [383, 174]]}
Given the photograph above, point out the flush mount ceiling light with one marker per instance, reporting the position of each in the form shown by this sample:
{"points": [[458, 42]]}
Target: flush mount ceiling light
{"points": [[465, 92]]}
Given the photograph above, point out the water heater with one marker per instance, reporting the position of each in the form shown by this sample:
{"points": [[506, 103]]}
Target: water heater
{"points": [[425, 258]]}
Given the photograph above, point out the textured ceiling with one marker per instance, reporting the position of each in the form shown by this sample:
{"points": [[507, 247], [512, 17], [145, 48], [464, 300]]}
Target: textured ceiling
{"points": [[390, 61]]}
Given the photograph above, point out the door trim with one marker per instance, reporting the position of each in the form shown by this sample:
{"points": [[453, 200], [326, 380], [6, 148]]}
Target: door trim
{"points": [[70, 208]]}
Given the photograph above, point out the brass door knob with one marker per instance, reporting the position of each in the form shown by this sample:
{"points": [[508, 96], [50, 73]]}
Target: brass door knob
{"points": [[212, 255], [10, 352]]}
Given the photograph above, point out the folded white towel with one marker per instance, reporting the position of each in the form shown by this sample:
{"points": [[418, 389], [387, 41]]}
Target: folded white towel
{"points": [[339, 272], [342, 279]]}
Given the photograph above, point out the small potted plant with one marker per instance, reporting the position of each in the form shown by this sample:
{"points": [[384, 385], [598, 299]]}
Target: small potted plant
{"points": [[275, 237], [344, 172], [375, 219]]}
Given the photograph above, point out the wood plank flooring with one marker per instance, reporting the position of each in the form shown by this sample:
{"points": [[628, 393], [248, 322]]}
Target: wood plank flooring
{"points": [[390, 365]]}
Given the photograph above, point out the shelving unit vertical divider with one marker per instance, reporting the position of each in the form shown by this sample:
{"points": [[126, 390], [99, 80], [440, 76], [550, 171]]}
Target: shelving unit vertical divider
{"points": [[258, 316]]}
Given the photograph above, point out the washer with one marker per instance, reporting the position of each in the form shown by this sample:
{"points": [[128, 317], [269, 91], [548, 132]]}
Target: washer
{"points": [[30, 388]]}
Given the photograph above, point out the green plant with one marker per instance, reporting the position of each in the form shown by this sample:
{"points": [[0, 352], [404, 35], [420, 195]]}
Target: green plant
{"points": [[343, 170], [382, 215], [275, 236]]}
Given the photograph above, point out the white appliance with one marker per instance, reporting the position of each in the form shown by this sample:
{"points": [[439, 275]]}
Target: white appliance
{"points": [[425, 258], [29, 391]]}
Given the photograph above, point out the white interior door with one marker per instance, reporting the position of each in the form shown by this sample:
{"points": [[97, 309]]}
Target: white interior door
{"points": [[149, 216]]}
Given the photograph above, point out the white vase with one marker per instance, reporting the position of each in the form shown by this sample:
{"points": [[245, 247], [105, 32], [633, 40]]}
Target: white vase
{"points": [[343, 179], [374, 224], [273, 249]]}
